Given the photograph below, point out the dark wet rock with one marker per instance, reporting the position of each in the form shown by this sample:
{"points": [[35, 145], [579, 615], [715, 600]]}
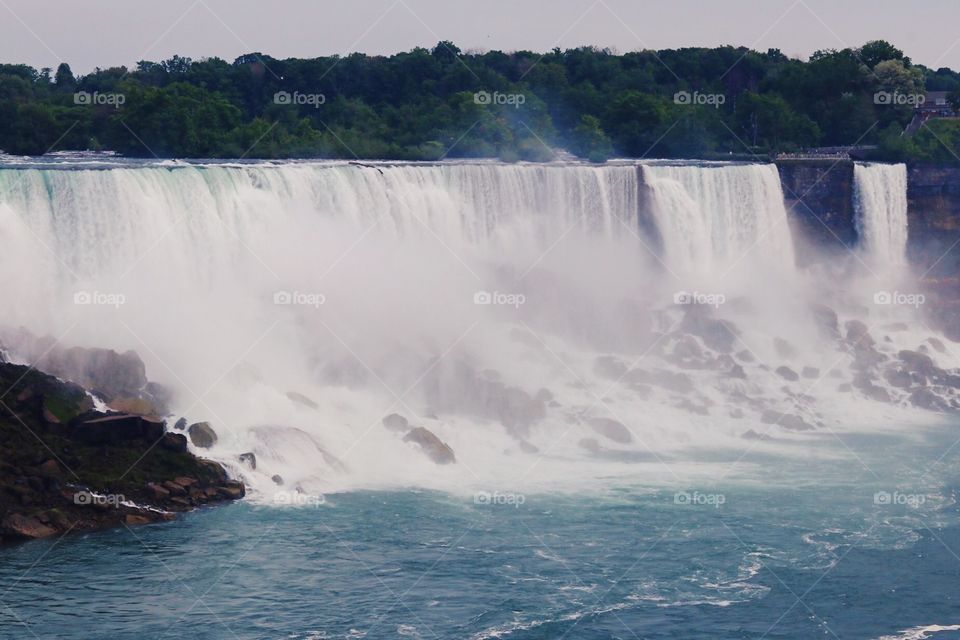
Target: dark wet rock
{"points": [[89, 470], [717, 334], [437, 450], [826, 320], [299, 398], [590, 444], [609, 367], [676, 381], [249, 459], [181, 424], [784, 348], [858, 334], [611, 429], [176, 442], [202, 435], [112, 428], [745, 356], [899, 378], [688, 405], [919, 363], [750, 434], [737, 371], [788, 421], [17, 525], [926, 399], [277, 480], [543, 395], [787, 373], [863, 382], [396, 422], [133, 519], [459, 388], [811, 373], [937, 344], [527, 447]]}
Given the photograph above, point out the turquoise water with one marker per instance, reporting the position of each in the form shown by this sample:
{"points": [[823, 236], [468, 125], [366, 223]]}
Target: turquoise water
{"points": [[806, 553]]}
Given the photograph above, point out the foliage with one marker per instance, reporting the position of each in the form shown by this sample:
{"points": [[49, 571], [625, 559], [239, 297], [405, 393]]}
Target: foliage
{"points": [[445, 103]]}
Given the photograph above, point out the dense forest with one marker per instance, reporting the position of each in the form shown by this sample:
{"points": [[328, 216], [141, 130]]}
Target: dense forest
{"points": [[445, 103]]}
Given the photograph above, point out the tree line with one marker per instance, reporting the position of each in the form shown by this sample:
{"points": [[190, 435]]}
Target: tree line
{"points": [[428, 104]]}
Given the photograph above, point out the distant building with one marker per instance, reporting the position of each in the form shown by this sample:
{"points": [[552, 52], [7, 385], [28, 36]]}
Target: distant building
{"points": [[936, 104]]}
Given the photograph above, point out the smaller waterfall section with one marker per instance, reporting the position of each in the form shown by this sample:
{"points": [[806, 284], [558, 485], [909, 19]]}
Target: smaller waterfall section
{"points": [[713, 216], [880, 202]]}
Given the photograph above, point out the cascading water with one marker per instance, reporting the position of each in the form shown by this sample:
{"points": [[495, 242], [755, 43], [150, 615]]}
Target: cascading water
{"points": [[517, 312], [880, 199], [711, 216]]}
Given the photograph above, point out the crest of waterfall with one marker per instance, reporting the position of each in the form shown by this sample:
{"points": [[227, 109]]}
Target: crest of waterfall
{"points": [[880, 202], [713, 216]]}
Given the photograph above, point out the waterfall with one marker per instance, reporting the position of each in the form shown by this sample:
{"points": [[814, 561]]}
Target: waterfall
{"points": [[880, 202], [517, 312], [711, 216]]}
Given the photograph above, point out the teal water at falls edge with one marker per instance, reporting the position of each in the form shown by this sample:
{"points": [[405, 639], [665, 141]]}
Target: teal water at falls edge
{"points": [[662, 427], [627, 562]]}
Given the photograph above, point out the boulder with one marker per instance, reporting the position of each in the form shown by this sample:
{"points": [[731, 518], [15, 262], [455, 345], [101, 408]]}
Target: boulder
{"points": [[249, 459], [233, 490], [133, 519], [788, 421], [919, 363], [202, 435], [20, 526], [927, 399], [396, 422], [437, 450], [49, 469], [158, 493], [826, 320], [181, 424], [176, 442], [299, 398], [277, 480], [719, 335], [787, 373], [611, 429], [100, 429]]}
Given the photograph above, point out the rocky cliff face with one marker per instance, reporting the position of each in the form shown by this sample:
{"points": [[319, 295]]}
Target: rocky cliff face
{"points": [[933, 195], [819, 197]]}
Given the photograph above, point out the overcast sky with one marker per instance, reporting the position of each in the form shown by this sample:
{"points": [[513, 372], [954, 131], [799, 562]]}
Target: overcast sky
{"points": [[105, 33]]}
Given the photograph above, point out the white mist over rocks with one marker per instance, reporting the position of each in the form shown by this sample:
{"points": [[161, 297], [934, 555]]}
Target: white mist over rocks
{"points": [[548, 326]]}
